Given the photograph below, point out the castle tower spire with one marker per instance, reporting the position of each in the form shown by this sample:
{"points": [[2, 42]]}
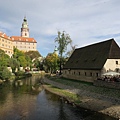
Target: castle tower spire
{"points": [[24, 29]]}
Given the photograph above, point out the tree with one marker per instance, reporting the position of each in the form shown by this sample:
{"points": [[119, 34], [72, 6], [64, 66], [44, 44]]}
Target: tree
{"points": [[5, 74], [51, 62], [14, 63], [33, 54], [4, 59], [63, 40], [23, 59], [69, 53]]}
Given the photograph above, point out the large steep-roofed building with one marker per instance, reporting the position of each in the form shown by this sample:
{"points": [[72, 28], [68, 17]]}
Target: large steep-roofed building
{"points": [[89, 62]]}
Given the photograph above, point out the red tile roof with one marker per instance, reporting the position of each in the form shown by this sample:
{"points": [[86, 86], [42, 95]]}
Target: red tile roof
{"points": [[3, 35], [23, 39]]}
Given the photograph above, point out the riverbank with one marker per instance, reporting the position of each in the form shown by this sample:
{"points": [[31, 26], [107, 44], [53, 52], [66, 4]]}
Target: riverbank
{"points": [[103, 100]]}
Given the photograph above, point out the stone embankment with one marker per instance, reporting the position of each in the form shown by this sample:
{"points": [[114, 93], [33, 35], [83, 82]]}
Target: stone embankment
{"points": [[93, 101]]}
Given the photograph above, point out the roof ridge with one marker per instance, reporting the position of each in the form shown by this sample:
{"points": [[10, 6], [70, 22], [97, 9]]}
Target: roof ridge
{"points": [[112, 39]]}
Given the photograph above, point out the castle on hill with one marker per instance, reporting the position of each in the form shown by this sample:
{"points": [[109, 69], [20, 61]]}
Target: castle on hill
{"points": [[23, 42]]}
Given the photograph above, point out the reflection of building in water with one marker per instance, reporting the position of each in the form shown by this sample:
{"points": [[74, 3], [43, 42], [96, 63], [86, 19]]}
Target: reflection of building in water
{"points": [[28, 81]]}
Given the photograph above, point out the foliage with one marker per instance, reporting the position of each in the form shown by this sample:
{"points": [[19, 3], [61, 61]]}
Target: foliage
{"points": [[33, 54], [4, 63], [23, 59], [4, 58], [5, 74], [14, 63], [63, 40], [51, 62], [69, 53], [17, 53]]}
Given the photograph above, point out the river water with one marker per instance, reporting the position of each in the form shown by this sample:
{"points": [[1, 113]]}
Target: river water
{"points": [[19, 101]]}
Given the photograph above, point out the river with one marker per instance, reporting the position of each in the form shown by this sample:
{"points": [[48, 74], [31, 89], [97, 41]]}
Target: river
{"points": [[19, 101]]}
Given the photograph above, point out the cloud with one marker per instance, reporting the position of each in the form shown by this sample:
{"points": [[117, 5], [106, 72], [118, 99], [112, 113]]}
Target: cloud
{"points": [[86, 22]]}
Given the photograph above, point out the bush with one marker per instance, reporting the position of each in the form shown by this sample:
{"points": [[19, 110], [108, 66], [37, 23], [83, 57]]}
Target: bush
{"points": [[19, 73], [5, 74]]}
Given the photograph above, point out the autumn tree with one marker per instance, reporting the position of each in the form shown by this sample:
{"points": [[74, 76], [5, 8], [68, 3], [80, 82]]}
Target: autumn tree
{"points": [[63, 39], [23, 59], [51, 62]]}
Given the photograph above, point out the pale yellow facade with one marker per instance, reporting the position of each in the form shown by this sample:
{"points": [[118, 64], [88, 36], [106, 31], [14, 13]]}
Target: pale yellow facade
{"points": [[6, 44], [111, 65], [24, 44]]}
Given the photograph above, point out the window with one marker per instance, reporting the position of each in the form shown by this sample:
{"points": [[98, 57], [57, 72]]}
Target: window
{"points": [[90, 74], [116, 62], [97, 74], [79, 73], [85, 73]]}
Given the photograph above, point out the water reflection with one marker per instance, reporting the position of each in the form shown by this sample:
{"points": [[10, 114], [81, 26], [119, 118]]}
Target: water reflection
{"points": [[22, 102]]}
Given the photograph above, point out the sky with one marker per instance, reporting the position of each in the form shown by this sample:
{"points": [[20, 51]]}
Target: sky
{"points": [[86, 21]]}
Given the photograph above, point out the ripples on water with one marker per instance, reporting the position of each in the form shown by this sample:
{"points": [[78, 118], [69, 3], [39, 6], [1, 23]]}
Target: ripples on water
{"points": [[20, 104]]}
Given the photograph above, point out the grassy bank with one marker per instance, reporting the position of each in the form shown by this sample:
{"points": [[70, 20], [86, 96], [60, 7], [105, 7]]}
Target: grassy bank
{"points": [[70, 97], [87, 87]]}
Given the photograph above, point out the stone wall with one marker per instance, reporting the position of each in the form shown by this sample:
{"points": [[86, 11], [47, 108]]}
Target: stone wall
{"points": [[115, 85], [83, 75]]}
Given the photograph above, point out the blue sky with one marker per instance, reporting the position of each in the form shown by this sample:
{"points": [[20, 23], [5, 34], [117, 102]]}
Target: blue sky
{"points": [[86, 21]]}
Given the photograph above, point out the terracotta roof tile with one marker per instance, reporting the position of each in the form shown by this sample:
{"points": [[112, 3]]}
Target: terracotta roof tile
{"points": [[3, 35], [23, 39]]}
